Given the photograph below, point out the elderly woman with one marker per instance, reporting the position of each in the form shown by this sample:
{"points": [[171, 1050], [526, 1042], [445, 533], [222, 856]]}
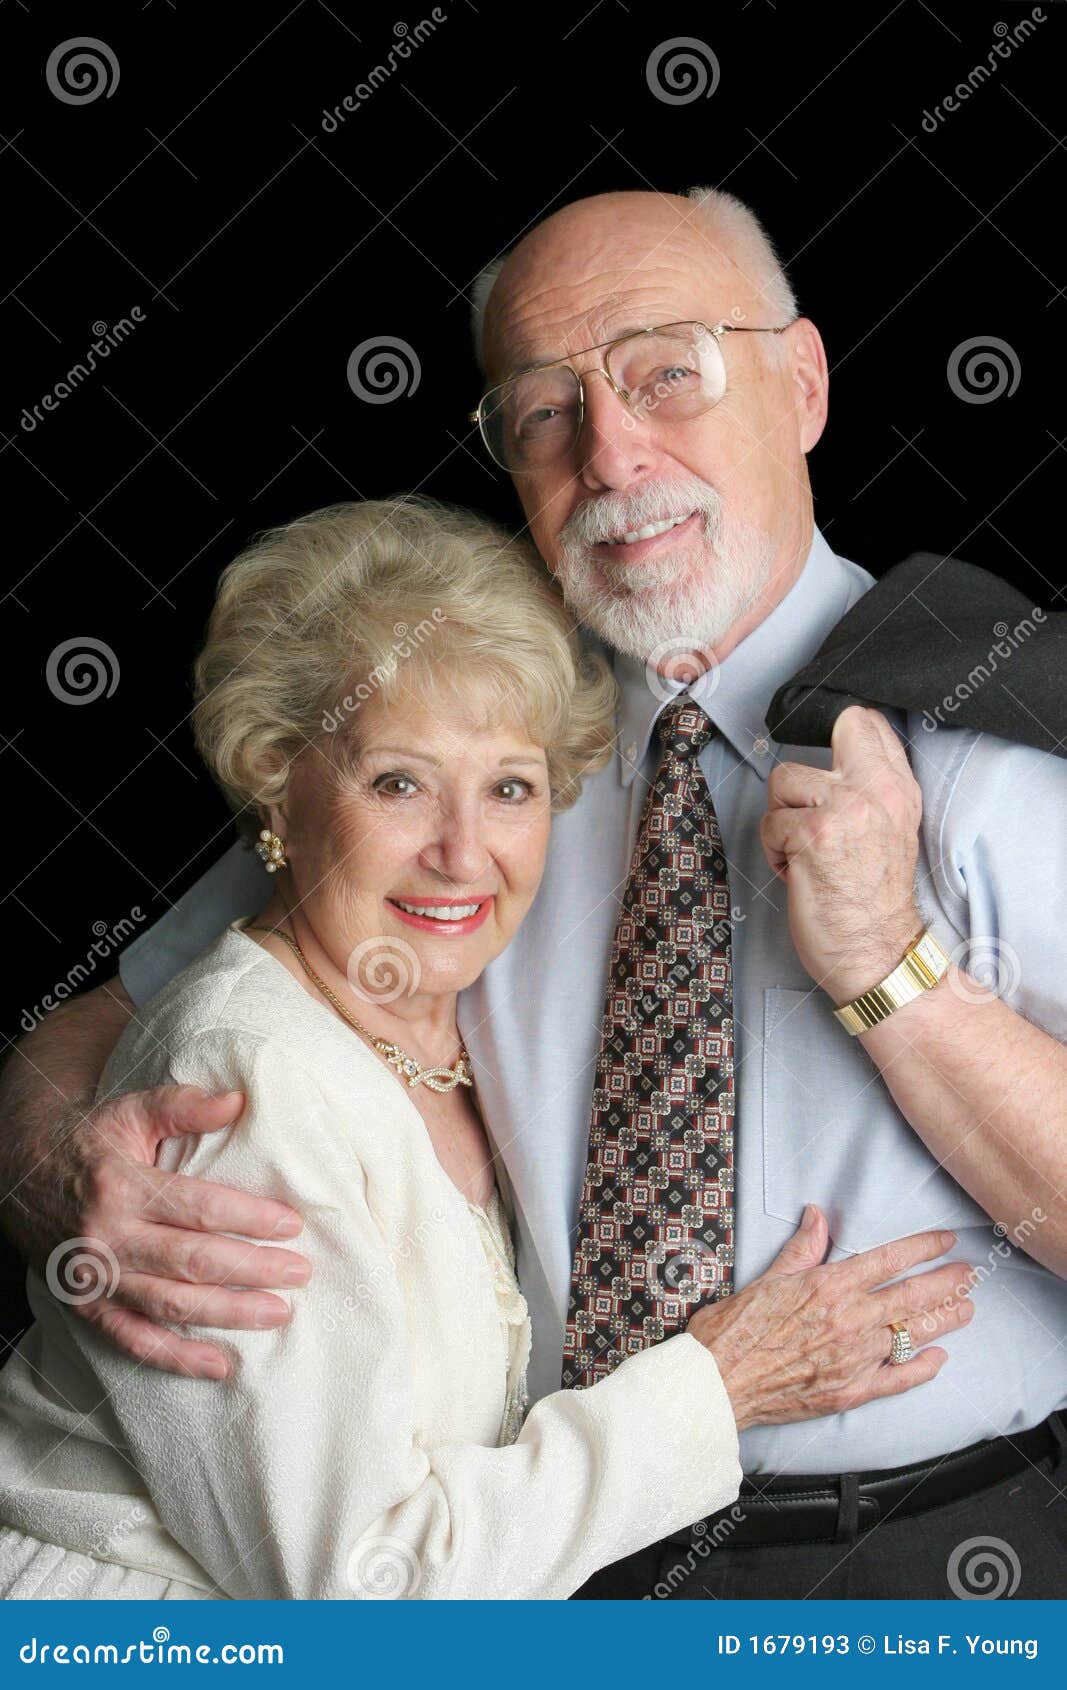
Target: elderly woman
{"points": [[393, 701]]}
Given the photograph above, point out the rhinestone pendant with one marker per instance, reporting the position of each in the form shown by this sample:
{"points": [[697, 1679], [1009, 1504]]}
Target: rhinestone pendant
{"points": [[437, 1079]]}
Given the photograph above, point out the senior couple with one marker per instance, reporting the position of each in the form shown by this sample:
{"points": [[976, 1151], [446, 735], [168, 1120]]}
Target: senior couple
{"points": [[624, 1268]]}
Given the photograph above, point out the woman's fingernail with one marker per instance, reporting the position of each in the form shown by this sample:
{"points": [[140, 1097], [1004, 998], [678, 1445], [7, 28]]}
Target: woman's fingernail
{"points": [[947, 1240], [297, 1275], [808, 1218], [287, 1227], [271, 1315]]}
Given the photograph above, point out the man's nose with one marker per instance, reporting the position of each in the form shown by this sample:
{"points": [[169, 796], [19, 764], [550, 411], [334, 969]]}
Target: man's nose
{"points": [[614, 448]]}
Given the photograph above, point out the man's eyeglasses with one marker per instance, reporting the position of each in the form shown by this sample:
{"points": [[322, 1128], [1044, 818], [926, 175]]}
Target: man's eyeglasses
{"points": [[676, 370]]}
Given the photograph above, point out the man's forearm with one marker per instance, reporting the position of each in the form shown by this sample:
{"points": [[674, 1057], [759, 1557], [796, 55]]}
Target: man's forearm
{"points": [[48, 1083], [986, 1091]]}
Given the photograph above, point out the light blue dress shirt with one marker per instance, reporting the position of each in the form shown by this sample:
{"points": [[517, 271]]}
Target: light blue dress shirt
{"points": [[815, 1122]]}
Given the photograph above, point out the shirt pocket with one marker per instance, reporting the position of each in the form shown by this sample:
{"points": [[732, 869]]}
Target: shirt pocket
{"points": [[832, 1134]]}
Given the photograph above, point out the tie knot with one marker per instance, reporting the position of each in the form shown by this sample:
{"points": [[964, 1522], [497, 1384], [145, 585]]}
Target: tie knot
{"points": [[684, 728]]}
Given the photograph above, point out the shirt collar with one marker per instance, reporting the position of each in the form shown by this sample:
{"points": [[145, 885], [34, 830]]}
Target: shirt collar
{"points": [[737, 691]]}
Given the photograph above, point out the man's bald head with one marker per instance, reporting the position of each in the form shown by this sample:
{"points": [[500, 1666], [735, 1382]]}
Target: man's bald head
{"points": [[710, 230]]}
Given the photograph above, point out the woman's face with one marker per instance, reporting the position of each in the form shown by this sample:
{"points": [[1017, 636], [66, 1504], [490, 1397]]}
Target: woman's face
{"points": [[417, 855]]}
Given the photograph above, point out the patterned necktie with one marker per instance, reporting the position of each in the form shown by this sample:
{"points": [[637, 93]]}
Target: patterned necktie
{"points": [[656, 1222]]}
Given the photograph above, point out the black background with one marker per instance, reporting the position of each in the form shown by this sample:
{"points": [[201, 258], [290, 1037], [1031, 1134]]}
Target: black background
{"points": [[261, 249]]}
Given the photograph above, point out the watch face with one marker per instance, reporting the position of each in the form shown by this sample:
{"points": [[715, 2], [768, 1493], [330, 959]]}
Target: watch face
{"points": [[932, 955]]}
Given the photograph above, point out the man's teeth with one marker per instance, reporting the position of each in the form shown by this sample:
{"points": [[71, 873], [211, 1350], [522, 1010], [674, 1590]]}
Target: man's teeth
{"points": [[440, 912], [649, 531]]}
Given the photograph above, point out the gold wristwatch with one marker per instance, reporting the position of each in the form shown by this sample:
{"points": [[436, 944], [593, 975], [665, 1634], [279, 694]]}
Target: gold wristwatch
{"points": [[924, 963]]}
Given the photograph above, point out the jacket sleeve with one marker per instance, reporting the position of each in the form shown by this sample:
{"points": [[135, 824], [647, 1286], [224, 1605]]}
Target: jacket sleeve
{"points": [[305, 1475]]}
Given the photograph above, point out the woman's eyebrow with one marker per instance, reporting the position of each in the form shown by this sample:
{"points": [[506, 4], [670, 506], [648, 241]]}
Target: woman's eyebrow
{"points": [[435, 762], [403, 751]]}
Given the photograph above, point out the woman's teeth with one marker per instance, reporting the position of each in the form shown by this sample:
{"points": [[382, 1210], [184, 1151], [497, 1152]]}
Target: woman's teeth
{"points": [[440, 912], [649, 532]]}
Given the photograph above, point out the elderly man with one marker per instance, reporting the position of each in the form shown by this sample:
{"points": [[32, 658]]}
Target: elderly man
{"points": [[707, 907]]}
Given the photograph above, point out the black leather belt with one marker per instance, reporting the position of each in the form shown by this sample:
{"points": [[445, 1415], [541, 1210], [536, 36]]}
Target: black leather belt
{"points": [[835, 1508]]}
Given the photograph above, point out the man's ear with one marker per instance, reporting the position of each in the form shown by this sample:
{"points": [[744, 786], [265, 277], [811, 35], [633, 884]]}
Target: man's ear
{"points": [[808, 369]]}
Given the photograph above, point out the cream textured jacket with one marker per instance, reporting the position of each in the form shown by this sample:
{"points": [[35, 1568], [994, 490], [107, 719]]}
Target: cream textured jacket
{"points": [[354, 1452]]}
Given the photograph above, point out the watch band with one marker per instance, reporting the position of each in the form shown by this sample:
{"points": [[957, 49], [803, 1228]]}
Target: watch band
{"points": [[923, 965]]}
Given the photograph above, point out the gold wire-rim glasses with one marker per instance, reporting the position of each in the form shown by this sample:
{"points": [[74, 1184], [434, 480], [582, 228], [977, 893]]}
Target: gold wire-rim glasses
{"points": [[478, 415]]}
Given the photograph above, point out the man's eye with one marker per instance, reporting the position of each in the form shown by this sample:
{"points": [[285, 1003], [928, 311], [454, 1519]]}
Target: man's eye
{"points": [[670, 379], [544, 417], [513, 791], [396, 785]]}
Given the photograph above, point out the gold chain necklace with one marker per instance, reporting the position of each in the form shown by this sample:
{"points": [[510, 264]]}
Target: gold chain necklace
{"points": [[440, 1079]]}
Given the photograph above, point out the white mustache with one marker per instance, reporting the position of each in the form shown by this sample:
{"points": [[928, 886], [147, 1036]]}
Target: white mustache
{"points": [[612, 514]]}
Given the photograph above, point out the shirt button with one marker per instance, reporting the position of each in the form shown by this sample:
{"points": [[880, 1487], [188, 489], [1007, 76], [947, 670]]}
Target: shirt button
{"points": [[631, 751]]}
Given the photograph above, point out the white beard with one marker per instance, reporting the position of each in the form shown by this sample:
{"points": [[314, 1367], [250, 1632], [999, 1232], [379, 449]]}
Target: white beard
{"points": [[688, 599]]}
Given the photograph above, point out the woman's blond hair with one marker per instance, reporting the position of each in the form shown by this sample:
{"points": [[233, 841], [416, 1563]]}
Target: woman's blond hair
{"points": [[378, 600]]}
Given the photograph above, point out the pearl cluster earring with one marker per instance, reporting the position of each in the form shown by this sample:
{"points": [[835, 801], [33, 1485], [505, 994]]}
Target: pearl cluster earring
{"points": [[272, 851]]}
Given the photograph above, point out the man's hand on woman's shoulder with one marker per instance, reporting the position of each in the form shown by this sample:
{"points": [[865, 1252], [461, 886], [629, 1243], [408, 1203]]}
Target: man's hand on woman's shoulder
{"points": [[134, 1249]]}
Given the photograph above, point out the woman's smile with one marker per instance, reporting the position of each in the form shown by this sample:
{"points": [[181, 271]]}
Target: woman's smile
{"points": [[448, 917]]}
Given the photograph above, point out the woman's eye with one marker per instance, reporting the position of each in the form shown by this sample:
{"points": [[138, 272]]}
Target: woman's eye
{"points": [[396, 785], [513, 791]]}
